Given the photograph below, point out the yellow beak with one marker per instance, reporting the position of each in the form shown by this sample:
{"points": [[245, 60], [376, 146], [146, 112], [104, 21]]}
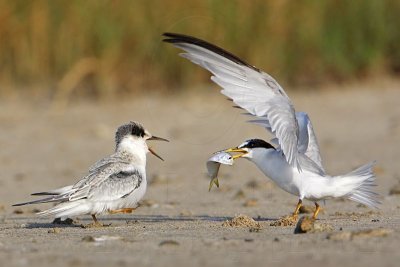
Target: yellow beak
{"points": [[237, 150]]}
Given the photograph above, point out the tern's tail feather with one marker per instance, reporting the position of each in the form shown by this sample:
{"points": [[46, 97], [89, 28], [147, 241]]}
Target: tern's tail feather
{"points": [[66, 209], [58, 191], [55, 198], [359, 185], [56, 195]]}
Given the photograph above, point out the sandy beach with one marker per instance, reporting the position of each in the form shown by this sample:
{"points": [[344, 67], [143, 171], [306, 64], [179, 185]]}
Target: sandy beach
{"points": [[179, 222]]}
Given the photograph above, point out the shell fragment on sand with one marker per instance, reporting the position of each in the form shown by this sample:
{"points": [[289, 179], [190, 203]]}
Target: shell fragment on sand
{"points": [[213, 164]]}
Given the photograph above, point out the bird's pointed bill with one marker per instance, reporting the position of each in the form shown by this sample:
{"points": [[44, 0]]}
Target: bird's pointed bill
{"points": [[155, 154], [237, 150], [158, 138], [212, 182]]}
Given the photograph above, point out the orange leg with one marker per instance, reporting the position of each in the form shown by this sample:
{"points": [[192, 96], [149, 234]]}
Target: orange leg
{"points": [[125, 210], [317, 209], [296, 211]]}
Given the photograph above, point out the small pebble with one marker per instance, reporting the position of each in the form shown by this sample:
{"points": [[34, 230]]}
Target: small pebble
{"points": [[88, 238], [251, 203], [395, 190], [54, 231], [18, 211], [309, 225]]}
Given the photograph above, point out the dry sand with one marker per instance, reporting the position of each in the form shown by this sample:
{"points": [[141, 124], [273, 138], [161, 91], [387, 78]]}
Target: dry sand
{"points": [[180, 223]]}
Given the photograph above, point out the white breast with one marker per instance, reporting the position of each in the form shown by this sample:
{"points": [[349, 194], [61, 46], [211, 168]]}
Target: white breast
{"points": [[273, 164]]}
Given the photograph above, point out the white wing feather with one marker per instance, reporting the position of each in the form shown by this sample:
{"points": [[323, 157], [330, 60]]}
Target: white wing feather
{"points": [[253, 90], [307, 141]]}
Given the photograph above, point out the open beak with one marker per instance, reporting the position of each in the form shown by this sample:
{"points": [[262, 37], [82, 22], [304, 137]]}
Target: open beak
{"points": [[237, 150], [155, 154], [159, 139]]}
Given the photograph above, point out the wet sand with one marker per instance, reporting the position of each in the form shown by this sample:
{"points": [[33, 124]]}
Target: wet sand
{"points": [[180, 223]]}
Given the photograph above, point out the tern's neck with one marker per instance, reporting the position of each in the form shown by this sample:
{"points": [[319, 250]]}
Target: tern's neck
{"points": [[135, 149]]}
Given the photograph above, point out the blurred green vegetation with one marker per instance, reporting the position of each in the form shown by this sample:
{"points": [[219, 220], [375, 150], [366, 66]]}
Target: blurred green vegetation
{"points": [[99, 47]]}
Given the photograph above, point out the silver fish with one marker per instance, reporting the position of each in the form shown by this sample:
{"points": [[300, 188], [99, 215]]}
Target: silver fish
{"points": [[214, 163]]}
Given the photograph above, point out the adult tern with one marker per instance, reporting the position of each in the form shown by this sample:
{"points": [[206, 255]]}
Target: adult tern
{"points": [[294, 163]]}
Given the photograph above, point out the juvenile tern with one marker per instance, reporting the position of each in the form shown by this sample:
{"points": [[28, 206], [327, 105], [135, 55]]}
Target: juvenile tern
{"points": [[295, 163], [114, 184]]}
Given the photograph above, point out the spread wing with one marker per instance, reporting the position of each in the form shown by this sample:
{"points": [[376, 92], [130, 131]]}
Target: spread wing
{"points": [[248, 87]]}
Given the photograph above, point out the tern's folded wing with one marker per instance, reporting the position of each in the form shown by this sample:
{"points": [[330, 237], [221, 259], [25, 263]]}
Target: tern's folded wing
{"points": [[114, 158], [248, 87], [99, 177], [110, 179], [116, 186]]}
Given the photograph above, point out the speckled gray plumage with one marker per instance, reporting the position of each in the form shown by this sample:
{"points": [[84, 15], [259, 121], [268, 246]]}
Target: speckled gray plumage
{"points": [[97, 184], [100, 174], [114, 183]]}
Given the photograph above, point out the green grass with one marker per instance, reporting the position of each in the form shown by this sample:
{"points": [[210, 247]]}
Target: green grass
{"points": [[112, 47]]}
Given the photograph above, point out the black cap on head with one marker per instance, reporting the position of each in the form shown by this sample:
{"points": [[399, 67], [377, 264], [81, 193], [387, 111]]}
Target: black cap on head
{"points": [[132, 128], [254, 143], [137, 129]]}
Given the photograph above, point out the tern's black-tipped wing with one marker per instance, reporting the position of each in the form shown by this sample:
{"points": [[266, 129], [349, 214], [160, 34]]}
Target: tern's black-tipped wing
{"points": [[248, 87], [176, 38]]}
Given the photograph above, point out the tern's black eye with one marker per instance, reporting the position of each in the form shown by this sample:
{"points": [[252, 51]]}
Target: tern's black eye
{"points": [[137, 130]]}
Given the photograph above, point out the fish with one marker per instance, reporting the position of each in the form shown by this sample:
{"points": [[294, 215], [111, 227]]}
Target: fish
{"points": [[213, 164]]}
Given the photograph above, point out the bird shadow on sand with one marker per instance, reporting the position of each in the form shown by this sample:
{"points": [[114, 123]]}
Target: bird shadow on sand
{"points": [[120, 221], [183, 218], [36, 225]]}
